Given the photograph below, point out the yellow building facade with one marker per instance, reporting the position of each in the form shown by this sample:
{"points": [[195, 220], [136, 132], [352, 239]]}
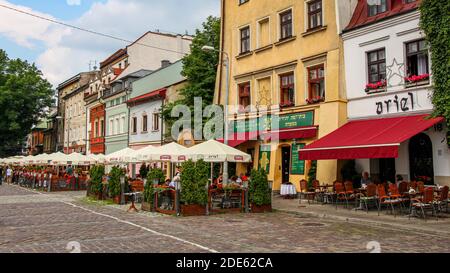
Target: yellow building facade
{"points": [[285, 61]]}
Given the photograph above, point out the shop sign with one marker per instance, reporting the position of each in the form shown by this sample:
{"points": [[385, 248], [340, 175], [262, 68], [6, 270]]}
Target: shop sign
{"points": [[273, 122], [297, 165], [264, 157], [396, 104]]}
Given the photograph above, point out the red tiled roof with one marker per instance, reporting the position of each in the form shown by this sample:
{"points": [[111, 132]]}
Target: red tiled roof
{"points": [[395, 7], [119, 53], [154, 94]]}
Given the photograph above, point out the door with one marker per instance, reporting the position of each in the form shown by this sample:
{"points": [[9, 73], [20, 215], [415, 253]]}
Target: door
{"points": [[387, 170], [285, 164], [421, 159]]}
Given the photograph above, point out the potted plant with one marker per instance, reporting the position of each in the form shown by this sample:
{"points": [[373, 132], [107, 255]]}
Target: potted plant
{"points": [[259, 192], [287, 104], [149, 190], [315, 100], [378, 87], [96, 186], [417, 79], [194, 194], [114, 184]]}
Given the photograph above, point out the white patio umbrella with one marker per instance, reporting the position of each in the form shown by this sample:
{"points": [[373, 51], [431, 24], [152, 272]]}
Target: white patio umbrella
{"points": [[214, 151], [122, 156], [145, 153], [172, 152], [79, 159], [99, 158], [58, 158], [29, 160]]}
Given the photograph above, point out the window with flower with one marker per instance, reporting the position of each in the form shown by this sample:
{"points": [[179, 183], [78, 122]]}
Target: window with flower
{"points": [[417, 62], [376, 61], [244, 96], [287, 90], [316, 84]]}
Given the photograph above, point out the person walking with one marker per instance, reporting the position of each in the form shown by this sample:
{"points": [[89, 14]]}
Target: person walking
{"points": [[1, 175], [9, 175]]}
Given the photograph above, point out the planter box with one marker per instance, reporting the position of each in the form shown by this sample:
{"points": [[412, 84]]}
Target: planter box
{"points": [[193, 210], [116, 199], [261, 209], [146, 207]]}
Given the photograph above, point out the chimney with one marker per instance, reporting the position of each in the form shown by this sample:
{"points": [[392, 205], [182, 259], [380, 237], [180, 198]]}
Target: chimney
{"points": [[165, 63]]}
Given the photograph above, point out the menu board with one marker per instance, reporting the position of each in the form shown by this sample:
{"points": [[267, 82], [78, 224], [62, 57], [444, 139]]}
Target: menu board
{"points": [[264, 157], [297, 165]]}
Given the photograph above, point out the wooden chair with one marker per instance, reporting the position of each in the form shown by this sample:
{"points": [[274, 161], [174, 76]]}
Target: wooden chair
{"points": [[371, 196], [426, 203], [305, 192], [441, 201], [385, 200]]}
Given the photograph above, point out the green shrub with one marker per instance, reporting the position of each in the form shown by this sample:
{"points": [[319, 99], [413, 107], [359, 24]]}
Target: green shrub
{"points": [[259, 191], [97, 172], [312, 174], [143, 171], [114, 181], [148, 189], [194, 178]]}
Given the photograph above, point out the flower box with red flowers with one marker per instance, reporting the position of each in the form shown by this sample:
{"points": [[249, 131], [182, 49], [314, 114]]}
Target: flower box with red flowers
{"points": [[415, 80], [315, 100], [287, 104], [377, 87]]}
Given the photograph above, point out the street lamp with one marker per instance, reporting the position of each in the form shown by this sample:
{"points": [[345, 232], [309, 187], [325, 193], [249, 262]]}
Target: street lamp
{"points": [[227, 94]]}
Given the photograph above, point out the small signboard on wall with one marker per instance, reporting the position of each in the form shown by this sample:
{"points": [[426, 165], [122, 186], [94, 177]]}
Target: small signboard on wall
{"points": [[264, 157], [297, 165]]}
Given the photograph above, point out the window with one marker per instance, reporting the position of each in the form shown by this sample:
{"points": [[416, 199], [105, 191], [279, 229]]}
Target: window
{"points": [[286, 25], [120, 65], [117, 127], [155, 121], [122, 125], [314, 14], [417, 58], [264, 32], [243, 1], [134, 125], [245, 40], [377, 65], [377, 7], [144, 123], [96, 129], [102, 127], [287, 88], [244, 95], [316, 82], [111, 127]]}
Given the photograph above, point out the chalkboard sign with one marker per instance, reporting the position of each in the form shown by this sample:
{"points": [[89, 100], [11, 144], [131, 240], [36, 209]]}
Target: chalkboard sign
{"points": [[297, 165]]}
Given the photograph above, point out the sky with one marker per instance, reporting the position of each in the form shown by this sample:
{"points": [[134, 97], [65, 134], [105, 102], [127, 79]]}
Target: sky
{"points": [[61, 52]]}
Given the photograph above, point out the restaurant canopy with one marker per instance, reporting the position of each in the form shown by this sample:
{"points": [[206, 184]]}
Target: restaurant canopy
{"points": [[373, 138], [214, 151], [122, 156], [172, 152]]}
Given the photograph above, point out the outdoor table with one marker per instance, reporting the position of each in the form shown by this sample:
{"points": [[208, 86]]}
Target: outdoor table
{"points": [[133, 200], [288, 190]]}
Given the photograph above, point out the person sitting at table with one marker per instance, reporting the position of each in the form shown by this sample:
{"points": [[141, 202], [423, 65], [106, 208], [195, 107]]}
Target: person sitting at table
{"points": [[244, 178], [239, 180], [399, 179], [365, 180], [167, 182]]}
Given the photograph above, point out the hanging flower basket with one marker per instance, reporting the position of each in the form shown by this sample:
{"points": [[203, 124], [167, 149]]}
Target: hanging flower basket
{"points": [[286, 104], [415, 80], [378, 87], [315, 100]]}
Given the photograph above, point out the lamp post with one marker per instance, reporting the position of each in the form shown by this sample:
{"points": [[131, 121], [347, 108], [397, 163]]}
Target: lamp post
{"points": [[227, 94]]}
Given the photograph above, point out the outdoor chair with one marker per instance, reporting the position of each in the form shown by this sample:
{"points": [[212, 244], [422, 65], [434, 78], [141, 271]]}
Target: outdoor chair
{"points": [[441, 201], [385, 200], [424, 204], [394, 192], [343, 195], [309, 194], [420, 187], [319, 192], [329, 196], [370, 198], [403, 189]]}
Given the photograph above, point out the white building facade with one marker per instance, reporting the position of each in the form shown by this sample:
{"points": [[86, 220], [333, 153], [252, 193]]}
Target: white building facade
{"points": [[388, 75]]}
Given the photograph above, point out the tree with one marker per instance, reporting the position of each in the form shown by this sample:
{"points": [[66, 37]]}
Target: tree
{"points": [[259, 191], [200, 70], [435, 21], [194, 179], [24, 96]]}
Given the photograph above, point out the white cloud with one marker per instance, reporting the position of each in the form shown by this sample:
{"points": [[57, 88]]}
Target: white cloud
{"points": [[68, 51], [73, 2]]}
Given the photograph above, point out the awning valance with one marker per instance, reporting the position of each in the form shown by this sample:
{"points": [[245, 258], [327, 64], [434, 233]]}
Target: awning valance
{"points": [[373, 138]]}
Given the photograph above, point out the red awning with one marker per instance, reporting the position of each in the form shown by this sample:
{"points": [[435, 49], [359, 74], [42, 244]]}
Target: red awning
{"points": [[161, 93], [291, 133], [374, 138], [237, 139]]}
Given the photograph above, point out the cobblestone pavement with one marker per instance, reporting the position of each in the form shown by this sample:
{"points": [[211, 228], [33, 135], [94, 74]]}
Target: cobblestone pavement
{"points": [[31, 222]]}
